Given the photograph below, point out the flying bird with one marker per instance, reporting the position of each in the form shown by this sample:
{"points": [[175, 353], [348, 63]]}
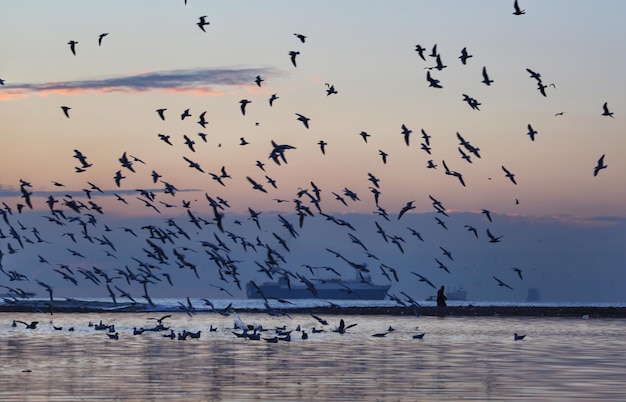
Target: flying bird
{"points": [[73, 44], [605, 111], [330, 89], [531, 132], [517, 11], [486, 79], [500, 283], [301, 37], [432, 82], [409, 206], [322, 145], [303, 119], [202, 121], [161, 113], [272, 99], [492, 238], [424, 279], [510, 175], [292, 55], [243, 103], [100, 37], [202, 22], [519, 272], [406, 133], [255, 185], [464, 56], [258, 80], [420, 51], [66, 111], [599, 166]]}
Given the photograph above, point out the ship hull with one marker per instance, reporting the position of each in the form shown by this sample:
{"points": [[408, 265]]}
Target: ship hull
{"points": [[328, 291]]}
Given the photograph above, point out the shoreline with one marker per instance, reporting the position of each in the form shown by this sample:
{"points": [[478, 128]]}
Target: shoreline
{"points": [[454, 311]]}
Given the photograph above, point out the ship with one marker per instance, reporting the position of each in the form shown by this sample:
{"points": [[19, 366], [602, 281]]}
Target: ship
{"points": [[333, 288]]}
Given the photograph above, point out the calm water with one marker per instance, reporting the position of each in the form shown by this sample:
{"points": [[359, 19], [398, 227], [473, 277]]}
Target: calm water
{"points": [[459, 358]]}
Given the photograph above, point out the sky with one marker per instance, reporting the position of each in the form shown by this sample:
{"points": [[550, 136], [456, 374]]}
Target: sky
{"points": [[563, 226]]}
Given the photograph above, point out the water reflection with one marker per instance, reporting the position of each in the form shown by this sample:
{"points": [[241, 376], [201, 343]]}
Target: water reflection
{"points": [[459, 358]]}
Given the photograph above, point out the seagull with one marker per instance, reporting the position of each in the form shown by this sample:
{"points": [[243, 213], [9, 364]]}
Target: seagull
{"points": [[500, 283], [424, 279], [255, 185], [202, 22], [510, 175], [292, 55], [272, 99], [519, 272], [531, 132], [66, 111], [193, 164], [320, 320], [600, 165], [464, 56], [492, 238], [258, 80], [161, 113], [301, 37], [533, 74], [472, 229], [487, 214], [185, 114], [606, 112], [73, 44], [243, 103], [189, 142], [420, 51], [517, 337], [303, 119], [322, 145], [442, 265], [409, 206], [32, 325], [165, 138], [118, 178], [517, 11], [330, 89], [406, 133], [446, 253], [433, 52], [432, 81], [203, 123], [486, 79], [100, 37], [383, 155]]}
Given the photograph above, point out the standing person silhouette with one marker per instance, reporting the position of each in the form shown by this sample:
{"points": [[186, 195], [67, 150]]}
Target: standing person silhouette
{"points": [[441, 297]]}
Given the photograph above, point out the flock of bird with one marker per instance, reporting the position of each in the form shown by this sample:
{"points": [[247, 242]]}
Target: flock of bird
{"points": [[240, 329], [77, 222]]}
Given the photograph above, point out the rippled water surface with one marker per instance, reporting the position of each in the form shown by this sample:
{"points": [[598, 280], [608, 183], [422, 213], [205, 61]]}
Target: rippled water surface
{"points": [[468, 358]]}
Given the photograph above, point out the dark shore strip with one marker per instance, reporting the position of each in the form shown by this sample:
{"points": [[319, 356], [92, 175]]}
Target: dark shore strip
{"points": [[453, 311]]}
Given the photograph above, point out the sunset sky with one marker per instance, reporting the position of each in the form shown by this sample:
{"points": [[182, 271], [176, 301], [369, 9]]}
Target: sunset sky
{"points": [[156, 56]]}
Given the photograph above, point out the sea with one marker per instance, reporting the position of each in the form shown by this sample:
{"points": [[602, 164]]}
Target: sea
{"points": [[376, 357]]}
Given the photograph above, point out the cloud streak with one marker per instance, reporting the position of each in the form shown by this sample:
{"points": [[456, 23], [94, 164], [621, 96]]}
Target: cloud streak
{"points": [[195, 81]]}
